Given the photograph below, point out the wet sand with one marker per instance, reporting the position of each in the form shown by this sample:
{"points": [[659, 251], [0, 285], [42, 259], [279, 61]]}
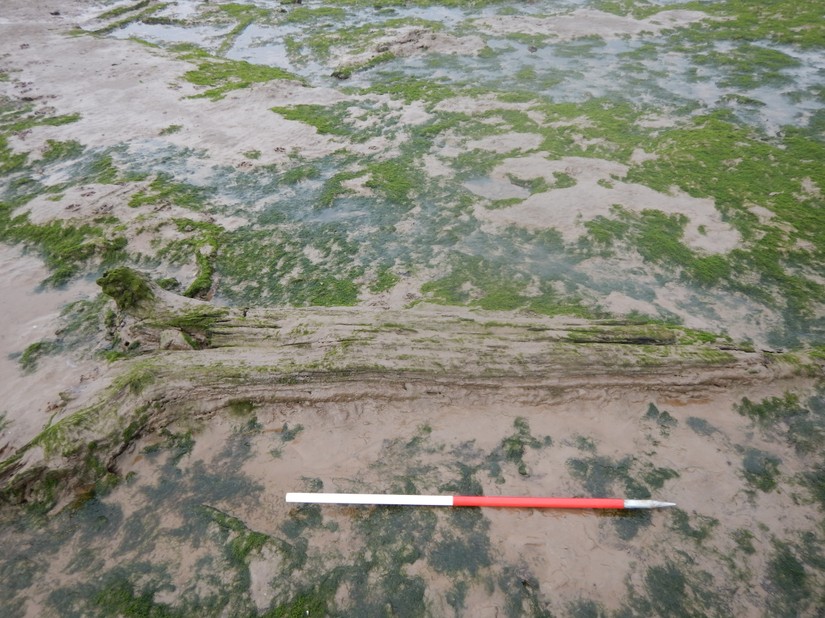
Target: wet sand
{"points": [[187, 515], [452, 441], [32, 314]]}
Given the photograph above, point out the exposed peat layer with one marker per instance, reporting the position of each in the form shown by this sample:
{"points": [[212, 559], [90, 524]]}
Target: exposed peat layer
{"points": [[556, 248]]}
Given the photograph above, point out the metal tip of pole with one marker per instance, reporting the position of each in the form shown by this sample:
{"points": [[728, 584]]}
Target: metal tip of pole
{"points": [[647, 504]]}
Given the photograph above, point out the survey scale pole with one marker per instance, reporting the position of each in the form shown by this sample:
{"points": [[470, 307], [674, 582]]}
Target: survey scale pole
{"points": [[524, 502]]}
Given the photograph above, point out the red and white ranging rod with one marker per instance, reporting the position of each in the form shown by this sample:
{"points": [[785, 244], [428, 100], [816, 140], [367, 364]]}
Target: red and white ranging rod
{"points": [[493, 501]]}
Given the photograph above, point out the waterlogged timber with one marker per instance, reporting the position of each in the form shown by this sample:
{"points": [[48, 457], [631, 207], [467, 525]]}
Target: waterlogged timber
{"points": [[557, 248], [170, 487]]}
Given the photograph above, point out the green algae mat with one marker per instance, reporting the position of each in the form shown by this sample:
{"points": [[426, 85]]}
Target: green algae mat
{"points": [[569, 247]]}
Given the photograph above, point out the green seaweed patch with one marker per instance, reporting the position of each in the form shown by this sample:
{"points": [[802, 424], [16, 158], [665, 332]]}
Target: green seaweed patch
{"points": [[691, 335], [801, 424], [329, 120], [658, 239], [737, 166], [475, 163], [334, 188], [513, 448], [243, 541], [523, 594], [18, 117], [409, 89], [288, 434], [585, 608], [59, 151], [281, 273], [533, 185], [83, 323], [504, 203], [749, 66], [303, 14], [135, 381], [598, 474], [628, 522], [761, 469], [240, 407], [604, 232], [331, 291], [221, 76], [788, 581], [122, 10], [612, 130], [171, 129], [697, 527], [312, 601], [744, 540], [396, 180], [103, 170], [327, 39], [814, 480], [678, 590], [385, 279], [164, 190], [655, 477], [62, 437], [204, 240], [300, 172], [640, 9], [452, 554], [780, 21], [740, 99], [663, 419], [772, 410], [127, 287], [246, 15], [201, 285], [301, 518], [491, 285], [143, 15], [168, 283], [118, 596], [659, 236], [563, 181], [65, 248], [584, 443], [11, 161], [179, 445], [34, 352], [701, 426]]}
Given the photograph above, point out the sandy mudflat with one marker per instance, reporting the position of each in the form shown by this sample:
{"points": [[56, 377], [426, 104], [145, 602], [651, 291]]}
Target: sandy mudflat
{"points": [[157, 481]]}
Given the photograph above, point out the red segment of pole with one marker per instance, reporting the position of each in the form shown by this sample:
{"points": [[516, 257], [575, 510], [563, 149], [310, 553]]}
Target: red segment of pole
{"points": [[539, 503]]}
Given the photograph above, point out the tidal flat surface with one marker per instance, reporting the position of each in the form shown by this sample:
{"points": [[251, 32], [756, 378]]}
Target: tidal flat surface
{"points": [[199, 523], [651, 167], [324, 153]]}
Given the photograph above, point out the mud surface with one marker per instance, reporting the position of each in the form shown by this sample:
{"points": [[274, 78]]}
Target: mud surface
{"points": [[558, 248], [200, 524]]}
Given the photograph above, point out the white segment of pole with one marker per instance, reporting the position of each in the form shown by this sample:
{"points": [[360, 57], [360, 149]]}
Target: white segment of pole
{"points": [[390, 499], [647, 504]]}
